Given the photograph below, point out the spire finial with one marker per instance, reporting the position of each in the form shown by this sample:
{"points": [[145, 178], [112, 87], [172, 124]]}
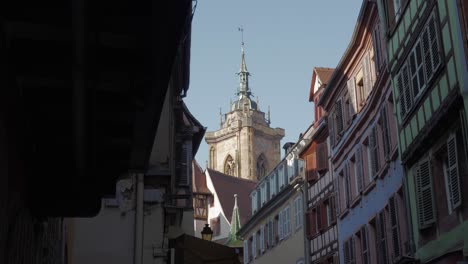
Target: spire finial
{"points": [[235, 200]]}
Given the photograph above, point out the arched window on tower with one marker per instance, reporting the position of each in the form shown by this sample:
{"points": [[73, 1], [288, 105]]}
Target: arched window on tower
{"points": [[212, 157], [261, 166], [229, 166]]}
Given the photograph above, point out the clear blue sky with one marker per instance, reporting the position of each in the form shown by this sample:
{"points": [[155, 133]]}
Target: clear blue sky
{"points": [[284, 40]]}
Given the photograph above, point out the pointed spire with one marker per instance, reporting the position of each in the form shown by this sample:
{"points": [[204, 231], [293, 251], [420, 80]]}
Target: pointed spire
{"points": [[243, 92], [233, 240]]}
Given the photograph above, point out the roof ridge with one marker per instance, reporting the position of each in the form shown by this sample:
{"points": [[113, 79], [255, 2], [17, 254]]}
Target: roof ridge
{"points": [[234, 177]]}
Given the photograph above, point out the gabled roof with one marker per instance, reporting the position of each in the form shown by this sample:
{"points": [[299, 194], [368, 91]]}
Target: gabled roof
{"points": [[198, 179], [323, 74], [226, 186]]}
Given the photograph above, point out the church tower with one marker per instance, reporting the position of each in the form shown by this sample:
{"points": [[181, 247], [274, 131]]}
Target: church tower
{"points": [[245, 146]]}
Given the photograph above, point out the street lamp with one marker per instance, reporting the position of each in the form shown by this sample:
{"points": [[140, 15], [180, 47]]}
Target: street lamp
{"points": [[207, 233]]}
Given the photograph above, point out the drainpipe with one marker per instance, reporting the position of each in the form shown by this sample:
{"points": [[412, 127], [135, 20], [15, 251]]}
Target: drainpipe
{"points": [[305, 202], [138, 254], [303, 190]]}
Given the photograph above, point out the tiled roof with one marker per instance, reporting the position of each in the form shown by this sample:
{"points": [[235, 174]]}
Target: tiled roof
{"points": [[324, 74], [198, 179], [226, 186]]}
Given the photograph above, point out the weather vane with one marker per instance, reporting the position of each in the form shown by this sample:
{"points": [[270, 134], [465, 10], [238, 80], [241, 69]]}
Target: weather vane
{"points": [[241, 29]]}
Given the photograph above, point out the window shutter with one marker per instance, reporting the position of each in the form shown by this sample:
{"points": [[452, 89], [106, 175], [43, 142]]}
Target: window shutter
{"points": [[352, 96], [346, 252], [347, 185], [453, 175], [376, 40], [339, 117], [311, 167], [280, 225], [254, 245], [385, 131], [425, 194], [367, 75], [318, 211], [352, 250], [401, 97], [394, 226], [381, 238], [184, 165], [331, 129], [430, 47], [374, 151], [332, 204], [312, 223], [359, 169], [322, 156], [262, 238], [406, 88], [324, 217]]}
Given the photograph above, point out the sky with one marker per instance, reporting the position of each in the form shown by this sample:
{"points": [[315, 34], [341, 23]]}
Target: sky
{"points": [[284, 41]]}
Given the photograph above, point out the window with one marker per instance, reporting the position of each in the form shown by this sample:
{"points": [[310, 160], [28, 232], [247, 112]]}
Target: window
{"points": [[311, 224], [395, 232], [359, 173], [286, 222], [229, 167], [281, 177], [270, 233], [385, 131], [272, 185], [261, 166], [425, 194], [212, 157], [262, 239], [322, 156], [394, 11], [346, 185], [365, 245], [263, 193], [339, 117], [331, 210], [382, 254], [420, 67], [360, 90], [246, 251], [280, 225], [254, 245], [349, 251], [298, 212], [373, 152], [254, 201]]}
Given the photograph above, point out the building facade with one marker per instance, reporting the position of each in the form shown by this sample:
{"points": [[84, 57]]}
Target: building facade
{"points": [[245, 145], [368, 174], [275, 232], [150, 209], [321, 231], [426, 50]]}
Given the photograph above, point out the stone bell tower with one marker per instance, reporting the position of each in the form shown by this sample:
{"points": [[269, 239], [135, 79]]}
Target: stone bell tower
{"points": [[245, 146]]}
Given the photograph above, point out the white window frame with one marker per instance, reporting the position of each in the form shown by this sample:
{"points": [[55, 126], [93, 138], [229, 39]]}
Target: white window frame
{"points": [[254, 201], [281, 177], [272, 185]]}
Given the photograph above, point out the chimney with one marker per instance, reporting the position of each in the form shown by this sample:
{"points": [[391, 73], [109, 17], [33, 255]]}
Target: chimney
{"points": [[287, 147]]}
